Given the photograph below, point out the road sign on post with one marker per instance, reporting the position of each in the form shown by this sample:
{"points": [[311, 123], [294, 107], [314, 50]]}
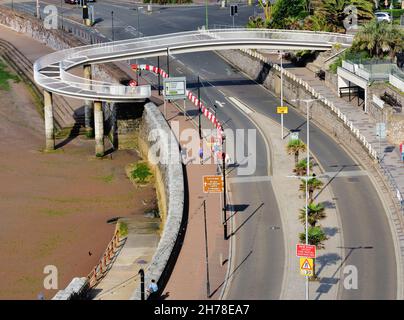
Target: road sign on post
{"points": [[174, 88], [282, 110], [213, 184], [306, 267], [294, 135], [305, 251]]}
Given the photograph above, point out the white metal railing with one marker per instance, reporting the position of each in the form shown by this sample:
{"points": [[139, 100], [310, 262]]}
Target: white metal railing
{"points": [[157, 45], [397, 82]]}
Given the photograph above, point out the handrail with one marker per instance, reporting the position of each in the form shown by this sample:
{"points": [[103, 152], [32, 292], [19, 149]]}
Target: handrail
{"points": [[189, 41], [102, 266]]}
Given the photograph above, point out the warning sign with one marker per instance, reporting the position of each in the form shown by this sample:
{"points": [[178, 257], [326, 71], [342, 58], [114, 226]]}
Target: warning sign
{"points": [[212, 184], [306, 250], [306, 266]]}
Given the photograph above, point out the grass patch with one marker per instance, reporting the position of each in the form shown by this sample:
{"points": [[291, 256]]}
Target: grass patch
{"points": [[54, 212], [108, 178], [49, 246], [123, 228], [141, 173], [5, 76]]}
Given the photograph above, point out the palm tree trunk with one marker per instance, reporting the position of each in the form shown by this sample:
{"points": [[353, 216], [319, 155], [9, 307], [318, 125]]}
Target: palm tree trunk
{"points": [[296, 158]]}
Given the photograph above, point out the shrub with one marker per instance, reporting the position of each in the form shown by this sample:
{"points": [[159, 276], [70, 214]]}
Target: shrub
{"points": [[141, 172]]}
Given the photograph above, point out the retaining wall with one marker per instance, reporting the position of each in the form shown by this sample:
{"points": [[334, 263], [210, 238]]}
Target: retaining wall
{"points": [[323, 113], [170, 188]]}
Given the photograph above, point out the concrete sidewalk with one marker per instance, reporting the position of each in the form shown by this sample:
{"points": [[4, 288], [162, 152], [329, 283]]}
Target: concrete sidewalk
{"points": [[189, 278], [136, 252], [363, 121]]}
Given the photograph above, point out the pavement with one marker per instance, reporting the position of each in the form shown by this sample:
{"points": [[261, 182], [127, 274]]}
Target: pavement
{"points": [[135, 252], [201, 266], [363, 121]]}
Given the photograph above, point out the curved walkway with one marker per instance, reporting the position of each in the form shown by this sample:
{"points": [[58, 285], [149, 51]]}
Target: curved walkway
{"points": [[51, 71]]}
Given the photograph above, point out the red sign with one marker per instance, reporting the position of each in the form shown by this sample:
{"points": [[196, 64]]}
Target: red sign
{"points": [[306, 251]]}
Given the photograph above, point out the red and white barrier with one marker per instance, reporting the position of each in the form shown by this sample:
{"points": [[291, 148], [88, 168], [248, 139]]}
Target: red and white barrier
{"points": [[194, 99]]}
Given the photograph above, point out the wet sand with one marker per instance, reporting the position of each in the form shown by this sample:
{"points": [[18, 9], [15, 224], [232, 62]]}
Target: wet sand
{"points": [[54, 207]]}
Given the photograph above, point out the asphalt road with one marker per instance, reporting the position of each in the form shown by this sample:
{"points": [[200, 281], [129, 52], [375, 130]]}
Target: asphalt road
{"points": [[259, 258]]}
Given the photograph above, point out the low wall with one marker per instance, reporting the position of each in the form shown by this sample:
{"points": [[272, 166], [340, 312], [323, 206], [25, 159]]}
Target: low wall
{"points": [[171, 189], [324, 114], [76, 290]]}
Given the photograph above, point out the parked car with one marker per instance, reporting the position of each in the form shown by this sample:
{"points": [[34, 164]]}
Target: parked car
{"points": [[382, 16]]}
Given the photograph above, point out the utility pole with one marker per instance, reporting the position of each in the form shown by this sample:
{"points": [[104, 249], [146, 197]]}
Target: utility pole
{"points": [[38, 13], [112, 25], [307, 193], [206, 15], [224, 191], [168, 61], [307, 101], [199, 108], [206, 251], [281, 56]]}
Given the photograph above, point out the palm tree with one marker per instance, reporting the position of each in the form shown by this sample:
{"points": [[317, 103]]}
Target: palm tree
{"points": [[293, 23], [312, 185], [316, 237], [294, 147], [301, 167], [334, 11], [379, 39], [315, 213]]}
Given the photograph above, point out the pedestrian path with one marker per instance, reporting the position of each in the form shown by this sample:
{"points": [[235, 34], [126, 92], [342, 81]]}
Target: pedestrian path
{"points": [[391, 164], [136, 252], [199, 254], [364, 122]]}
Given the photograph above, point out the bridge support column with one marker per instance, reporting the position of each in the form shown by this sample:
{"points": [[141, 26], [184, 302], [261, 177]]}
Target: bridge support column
{"points": [[88, 104], [99, 129], [49, 126]]}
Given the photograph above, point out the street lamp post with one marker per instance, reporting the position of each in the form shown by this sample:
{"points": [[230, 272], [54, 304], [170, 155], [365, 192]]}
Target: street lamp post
{"points": [[199, 109], [138, 35], [224, 191], [38, 14], [61, 13], [307, 101], [112, 25], [206, 15], [281, 57]]}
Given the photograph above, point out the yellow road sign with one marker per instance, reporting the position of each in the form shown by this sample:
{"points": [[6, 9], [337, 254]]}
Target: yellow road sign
{"points": [[306, 266], [212, 184], [281, 109]]}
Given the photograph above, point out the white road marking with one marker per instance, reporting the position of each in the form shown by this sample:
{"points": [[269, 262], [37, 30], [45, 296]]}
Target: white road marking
{"points": [[241, 179], [220, 104], [240, 105]]}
